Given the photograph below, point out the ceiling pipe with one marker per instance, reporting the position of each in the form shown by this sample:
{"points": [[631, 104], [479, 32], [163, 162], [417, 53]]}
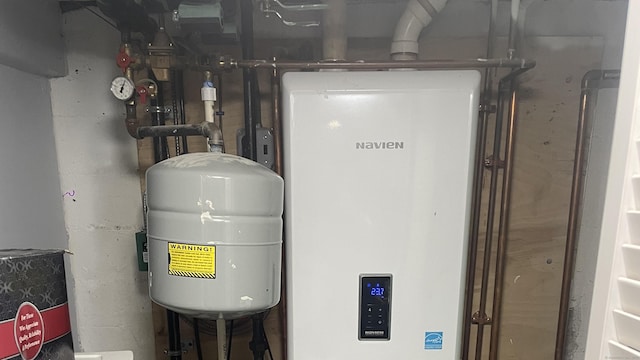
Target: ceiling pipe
{"points": [[513, 29], [334, 34], [417, 16]]}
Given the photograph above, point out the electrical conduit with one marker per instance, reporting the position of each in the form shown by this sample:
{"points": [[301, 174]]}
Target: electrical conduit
{"points": [[417, 16]]}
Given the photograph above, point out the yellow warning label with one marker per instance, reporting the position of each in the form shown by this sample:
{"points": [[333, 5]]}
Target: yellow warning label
{"points": [[188, 260]]}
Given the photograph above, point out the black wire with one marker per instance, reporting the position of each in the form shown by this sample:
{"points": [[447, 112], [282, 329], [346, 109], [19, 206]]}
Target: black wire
{"points": [[96, 14], [230, 339], [196, 333]]}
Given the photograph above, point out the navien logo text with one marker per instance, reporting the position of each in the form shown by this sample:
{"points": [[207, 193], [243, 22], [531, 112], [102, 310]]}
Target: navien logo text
{"points": [[382, 145]]}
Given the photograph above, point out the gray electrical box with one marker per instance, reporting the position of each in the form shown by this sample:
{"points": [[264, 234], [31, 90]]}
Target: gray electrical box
{"points": [[264, 146]]}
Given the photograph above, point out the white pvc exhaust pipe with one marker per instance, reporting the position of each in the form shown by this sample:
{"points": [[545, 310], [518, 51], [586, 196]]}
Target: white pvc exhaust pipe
{"points": [[417, 16]]}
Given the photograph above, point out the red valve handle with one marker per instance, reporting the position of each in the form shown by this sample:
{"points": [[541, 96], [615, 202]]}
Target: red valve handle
{"points": [[142, 93], [123, 60]]}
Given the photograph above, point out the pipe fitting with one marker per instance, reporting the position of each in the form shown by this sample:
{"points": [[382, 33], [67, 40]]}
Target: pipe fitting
{"points": [[131, 120], [213, 133], [417, 16], [132, 126]]}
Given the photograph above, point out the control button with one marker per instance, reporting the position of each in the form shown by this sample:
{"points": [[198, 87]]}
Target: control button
{"points": [[369, 309], [380, 322]]}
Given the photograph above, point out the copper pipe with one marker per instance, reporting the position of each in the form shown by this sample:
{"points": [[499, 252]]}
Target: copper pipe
{"points": [[472, 252], [503, 223], [591, 83], [131, 122], [505, 197], [576, 192], [476, 205], [381, 64], [483, 319]]}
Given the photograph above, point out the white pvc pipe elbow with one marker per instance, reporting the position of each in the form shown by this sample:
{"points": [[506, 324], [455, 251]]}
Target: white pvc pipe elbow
{"points": [[416, 17]]}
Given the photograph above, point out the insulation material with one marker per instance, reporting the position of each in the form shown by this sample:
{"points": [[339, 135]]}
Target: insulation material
{"points": [[34, 313]]}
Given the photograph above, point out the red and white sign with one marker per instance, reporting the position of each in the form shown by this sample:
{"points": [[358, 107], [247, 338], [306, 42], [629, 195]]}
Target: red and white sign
{"points": [[31, 329], [28, 330]]}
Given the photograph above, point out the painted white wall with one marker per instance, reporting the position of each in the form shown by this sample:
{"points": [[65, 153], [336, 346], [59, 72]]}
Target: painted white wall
{"points": [[30, 198], [102, 207], [30, 39]]}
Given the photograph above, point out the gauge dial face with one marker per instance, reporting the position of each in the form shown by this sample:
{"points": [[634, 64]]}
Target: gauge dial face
{"points": [[122, 88]]}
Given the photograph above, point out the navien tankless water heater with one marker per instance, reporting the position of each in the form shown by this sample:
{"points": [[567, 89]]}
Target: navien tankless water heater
{"points": [[378, 183]]}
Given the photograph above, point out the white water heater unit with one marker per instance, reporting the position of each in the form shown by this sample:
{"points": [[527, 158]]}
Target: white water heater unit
{"points": [[215, 235], [379, 169]]}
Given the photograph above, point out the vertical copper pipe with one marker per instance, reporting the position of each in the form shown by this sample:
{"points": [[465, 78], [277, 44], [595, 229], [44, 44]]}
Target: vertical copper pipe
{"points": [[476, 204], [472, 252], [592, 81], [503, 223], [493, 190], [572, 228]]}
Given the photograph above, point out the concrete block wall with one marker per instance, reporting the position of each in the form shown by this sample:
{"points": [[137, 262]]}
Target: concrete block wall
{"points": [[98, 164]]}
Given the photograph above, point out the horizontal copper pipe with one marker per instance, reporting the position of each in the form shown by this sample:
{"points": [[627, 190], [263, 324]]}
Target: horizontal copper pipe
{"points": [[380, 65]]}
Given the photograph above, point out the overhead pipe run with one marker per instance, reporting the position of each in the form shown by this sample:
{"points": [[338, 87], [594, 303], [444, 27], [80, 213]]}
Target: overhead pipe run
{"points": [[417, 16], [379, 65]]}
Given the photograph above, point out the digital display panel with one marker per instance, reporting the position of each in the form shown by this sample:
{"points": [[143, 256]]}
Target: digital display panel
{"points": [[375, 307], [377, 291]]}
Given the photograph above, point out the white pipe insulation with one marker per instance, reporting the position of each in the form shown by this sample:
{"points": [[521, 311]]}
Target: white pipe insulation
{"points": [[417, 16]]}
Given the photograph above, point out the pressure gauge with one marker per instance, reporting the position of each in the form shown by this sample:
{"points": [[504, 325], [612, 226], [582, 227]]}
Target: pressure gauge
{"points": [[122, 88]]}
